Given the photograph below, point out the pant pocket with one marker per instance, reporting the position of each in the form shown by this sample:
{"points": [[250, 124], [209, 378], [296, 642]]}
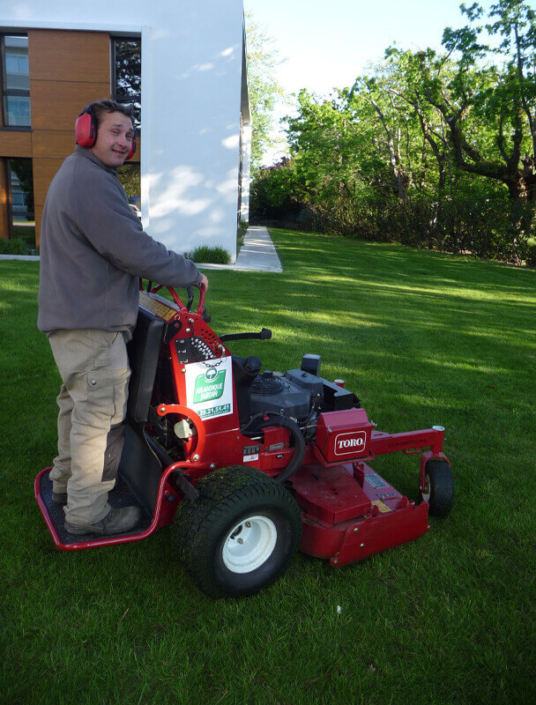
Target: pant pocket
{"points": [[107, 394]]}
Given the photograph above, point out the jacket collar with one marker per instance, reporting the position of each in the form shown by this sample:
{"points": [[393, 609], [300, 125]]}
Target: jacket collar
{"points": [[87, 154]]}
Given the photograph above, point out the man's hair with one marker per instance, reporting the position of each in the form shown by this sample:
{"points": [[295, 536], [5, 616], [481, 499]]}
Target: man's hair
{"points": [[110, 106]]}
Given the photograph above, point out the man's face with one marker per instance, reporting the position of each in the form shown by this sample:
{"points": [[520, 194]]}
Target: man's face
{"points": [[114, 139]]}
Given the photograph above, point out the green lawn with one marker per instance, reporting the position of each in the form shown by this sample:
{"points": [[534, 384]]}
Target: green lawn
{"points": [[422, 338]]}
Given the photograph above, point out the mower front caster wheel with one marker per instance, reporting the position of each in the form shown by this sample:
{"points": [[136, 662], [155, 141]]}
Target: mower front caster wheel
{"points": [[240, 534], [439, 487]]}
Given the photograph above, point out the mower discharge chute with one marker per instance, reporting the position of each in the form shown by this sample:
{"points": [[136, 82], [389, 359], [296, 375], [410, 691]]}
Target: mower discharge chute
{"points": [[249, 466]]}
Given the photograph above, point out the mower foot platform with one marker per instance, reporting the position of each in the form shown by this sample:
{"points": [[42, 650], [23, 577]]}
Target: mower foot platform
{"points": [[54, 516]]}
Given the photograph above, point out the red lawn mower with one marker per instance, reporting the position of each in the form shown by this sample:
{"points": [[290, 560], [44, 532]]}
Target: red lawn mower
{"points": [[249, 466]]}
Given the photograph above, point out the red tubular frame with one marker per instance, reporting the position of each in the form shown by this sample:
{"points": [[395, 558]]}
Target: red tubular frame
{"points": [[164, 409], [163, 513], [408, 442]]}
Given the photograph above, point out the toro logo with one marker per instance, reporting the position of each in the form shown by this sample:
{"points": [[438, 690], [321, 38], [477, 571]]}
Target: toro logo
{"points": [[350, 443]]}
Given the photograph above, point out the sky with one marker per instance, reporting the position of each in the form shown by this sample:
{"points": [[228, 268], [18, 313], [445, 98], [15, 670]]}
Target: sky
{"points": [[328, 43]]}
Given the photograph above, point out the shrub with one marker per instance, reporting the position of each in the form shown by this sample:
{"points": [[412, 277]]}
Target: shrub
{"points": [[530, 257], [15, 246], [274, 193], [210, 255]]}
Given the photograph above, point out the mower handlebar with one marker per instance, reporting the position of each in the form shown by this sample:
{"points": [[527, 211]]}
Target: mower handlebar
{"points": [[264, 334], [201, 310]]}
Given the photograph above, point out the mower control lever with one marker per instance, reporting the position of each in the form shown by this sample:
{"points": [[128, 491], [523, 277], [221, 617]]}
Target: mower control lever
{"points": [[201, 310], [204, 315], [264, 334]]}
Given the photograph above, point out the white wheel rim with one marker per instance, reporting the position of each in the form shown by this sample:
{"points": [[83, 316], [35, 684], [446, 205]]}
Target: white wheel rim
{"points": [[426, 494], [249, 544]]}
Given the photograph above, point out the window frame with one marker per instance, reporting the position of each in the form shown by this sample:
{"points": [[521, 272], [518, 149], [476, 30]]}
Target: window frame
{"points": [[13, 92], [115, 38]]}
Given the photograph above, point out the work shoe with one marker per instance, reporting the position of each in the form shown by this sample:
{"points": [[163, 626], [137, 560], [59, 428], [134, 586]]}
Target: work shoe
{"points": [[117, 521], [59, 498]]}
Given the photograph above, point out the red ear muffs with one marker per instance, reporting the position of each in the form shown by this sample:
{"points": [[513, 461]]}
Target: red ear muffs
{"points": [[132, 149], [85, 131]]}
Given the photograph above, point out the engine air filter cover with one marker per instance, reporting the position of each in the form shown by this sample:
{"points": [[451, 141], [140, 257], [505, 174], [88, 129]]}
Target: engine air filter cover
{"points": [[267, 384]]}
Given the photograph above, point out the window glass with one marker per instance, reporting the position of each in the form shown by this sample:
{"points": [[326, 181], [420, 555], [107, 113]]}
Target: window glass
{"points": [[127, 78], [16, 81], [17, 111], [21, 200]]}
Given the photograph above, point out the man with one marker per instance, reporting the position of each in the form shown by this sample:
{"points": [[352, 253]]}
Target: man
{"points": [[93, 249]]}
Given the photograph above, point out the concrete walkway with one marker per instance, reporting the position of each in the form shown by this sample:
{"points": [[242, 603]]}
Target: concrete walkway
{"points": [[27, 258], [257, 254]]}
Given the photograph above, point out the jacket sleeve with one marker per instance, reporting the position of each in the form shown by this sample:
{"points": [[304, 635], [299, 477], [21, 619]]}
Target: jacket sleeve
{"points": [[115, 232]]}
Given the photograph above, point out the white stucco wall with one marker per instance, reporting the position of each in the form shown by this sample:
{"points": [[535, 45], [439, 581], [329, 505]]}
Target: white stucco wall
{"points": [[191, 98]]}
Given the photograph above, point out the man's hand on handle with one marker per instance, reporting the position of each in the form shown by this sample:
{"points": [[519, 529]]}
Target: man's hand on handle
{"points": [[204, 282]]}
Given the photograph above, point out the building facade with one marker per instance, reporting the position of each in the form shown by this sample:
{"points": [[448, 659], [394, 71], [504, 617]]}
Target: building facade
{"points": [[193, 108]]}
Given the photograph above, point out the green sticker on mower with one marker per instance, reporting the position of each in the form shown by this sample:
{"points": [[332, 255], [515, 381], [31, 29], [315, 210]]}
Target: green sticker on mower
{"points": [[209, 386]]}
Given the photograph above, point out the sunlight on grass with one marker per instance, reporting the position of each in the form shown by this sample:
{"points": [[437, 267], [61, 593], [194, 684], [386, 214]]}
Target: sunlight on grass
{"points": [[422, 338]]}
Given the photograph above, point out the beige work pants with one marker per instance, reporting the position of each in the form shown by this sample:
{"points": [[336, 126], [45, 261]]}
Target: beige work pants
{"points": [[94, 368]]}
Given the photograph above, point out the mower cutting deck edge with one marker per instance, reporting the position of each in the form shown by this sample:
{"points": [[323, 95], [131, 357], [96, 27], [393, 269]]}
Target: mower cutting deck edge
{"points": [[258, 464]]}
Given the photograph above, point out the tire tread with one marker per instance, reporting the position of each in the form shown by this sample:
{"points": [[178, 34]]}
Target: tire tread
{"points": [[222, 495]]}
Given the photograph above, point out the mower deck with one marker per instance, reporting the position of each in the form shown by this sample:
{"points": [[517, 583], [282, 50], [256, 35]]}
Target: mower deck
{"points": [[349, 512]]}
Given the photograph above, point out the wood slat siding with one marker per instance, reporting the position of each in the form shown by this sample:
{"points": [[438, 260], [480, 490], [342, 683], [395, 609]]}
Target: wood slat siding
{"points": [[58, 55], [57, 104], [59, 143], [15, 144], [68, 70]]}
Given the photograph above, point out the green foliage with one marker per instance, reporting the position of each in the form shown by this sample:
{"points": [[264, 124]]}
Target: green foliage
{"points": [[130, 178], [264, 89], [15, 246], [240, 234], [274, 193], [425, 149], [212, 255], [489, 97], [531, 252], [242, 229]]}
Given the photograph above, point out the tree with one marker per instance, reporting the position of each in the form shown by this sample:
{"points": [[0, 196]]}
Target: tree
{"points": [[427, 148], [129, 176], [275, 193], [127, 53], [322, 141], [264, 89], [489, 103]]}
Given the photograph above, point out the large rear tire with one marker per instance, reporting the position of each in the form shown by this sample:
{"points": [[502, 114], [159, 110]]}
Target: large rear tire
{"points": [[239, 536]]}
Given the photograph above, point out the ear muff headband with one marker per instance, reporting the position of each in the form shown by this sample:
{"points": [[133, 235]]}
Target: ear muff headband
{"points": [[85, 130]]}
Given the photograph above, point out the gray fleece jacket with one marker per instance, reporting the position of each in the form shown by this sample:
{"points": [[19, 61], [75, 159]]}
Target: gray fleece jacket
{"points": [[93, 249]]}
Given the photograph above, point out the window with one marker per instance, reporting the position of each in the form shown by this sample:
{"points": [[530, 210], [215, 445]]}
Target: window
{"points": [[127, 73], [20, 200], [15, 81]]}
